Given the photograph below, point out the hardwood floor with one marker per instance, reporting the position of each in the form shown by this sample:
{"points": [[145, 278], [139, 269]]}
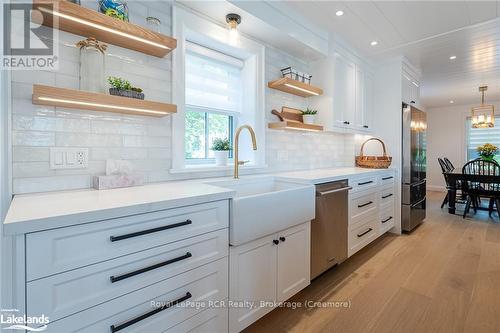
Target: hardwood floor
{"points": [[443, 277]]}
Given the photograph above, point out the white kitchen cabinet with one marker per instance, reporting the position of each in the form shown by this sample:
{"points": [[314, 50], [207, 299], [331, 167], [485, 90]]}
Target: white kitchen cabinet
{"points": [[269, 269], [293, 261], [346, 105], [410, 85]]}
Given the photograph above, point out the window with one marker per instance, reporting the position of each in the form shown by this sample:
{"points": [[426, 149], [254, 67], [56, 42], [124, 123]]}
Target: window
{"points": [[213, 100], [479, 136]]}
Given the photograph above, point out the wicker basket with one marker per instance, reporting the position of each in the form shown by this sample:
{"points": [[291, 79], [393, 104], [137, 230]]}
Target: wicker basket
{"points": [[373, 162]]}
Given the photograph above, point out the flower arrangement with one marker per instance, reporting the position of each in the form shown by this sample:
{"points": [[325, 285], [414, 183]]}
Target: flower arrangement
{"points": [[487, 151], [309, 115]]}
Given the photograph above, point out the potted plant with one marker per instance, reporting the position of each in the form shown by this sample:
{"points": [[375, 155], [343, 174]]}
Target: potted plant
{"points": [[122, 87], [309, 116], [487, 151], [221, 148]]}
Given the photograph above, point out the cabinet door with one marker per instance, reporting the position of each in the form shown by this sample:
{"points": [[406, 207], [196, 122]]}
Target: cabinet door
{"points": [[252, 278], [293, 261], [368, 101], [344, 96]]}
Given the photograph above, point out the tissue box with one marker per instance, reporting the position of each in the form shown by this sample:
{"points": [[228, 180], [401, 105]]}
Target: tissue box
{"points": [[118, 181]]}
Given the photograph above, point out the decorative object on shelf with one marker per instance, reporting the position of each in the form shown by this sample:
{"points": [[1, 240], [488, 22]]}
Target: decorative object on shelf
{"points": [[119, 173], [294, 74], [292, 119], [295, 87], [309, 116], [233, 20], [114, 8], [153, 24], [78, 99], [78, 20], [221, 148], [483, 116], [92, 65], [487, 151], [373, 162], [122, 87]]}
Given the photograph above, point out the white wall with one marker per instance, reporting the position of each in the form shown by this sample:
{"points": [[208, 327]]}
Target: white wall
{"points": [[446, 138], [145, 141]]}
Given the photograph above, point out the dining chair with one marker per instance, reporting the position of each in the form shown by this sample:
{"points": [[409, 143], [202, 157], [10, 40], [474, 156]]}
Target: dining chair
{"points": [[444, 168], [474, 189], [450, 165]]}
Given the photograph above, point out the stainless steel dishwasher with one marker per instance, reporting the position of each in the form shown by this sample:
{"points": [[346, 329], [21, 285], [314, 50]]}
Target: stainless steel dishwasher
{"points": [[329, 228]]}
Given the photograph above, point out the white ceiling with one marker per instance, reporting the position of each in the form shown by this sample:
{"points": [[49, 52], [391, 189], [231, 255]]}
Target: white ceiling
{"points": [[427, 33]]}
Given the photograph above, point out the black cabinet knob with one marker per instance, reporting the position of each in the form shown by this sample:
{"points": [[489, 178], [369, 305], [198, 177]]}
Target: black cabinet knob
{"points": [[282, 239], [276, 242], [365, 126]]}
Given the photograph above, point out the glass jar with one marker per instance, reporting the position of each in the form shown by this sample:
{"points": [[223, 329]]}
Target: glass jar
{"points": [[92, 65], [153, 24]]}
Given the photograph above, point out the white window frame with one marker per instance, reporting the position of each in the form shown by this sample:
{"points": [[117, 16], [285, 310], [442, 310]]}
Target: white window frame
{"points": [[188, 26]]}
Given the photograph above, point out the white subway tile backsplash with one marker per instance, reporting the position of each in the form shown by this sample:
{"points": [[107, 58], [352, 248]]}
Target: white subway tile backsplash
{"points": [[145, 141]]}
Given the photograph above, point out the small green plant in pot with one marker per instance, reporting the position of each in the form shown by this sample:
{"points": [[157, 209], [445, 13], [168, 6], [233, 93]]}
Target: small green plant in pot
{"points": [[487, 151], [221, 148], [309, 116], [122, 87]]}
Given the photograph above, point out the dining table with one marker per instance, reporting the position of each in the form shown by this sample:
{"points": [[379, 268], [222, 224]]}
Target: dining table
{"points": [[455, 178]]}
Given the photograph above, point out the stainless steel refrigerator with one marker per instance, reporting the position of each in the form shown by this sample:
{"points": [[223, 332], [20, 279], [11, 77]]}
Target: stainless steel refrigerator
{"points": [[414, 167]]}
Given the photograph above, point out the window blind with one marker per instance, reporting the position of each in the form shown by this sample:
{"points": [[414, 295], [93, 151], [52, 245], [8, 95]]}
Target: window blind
{"points": [[479, 136], [213, 80]]}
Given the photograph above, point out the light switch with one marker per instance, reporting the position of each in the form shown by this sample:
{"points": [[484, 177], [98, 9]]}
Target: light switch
{"points": [[69, 158]]}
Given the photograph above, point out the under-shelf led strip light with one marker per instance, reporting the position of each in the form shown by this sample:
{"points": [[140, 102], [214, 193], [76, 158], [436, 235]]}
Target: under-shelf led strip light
{"points": [[302, 89], [107, 106], [98, 26]]}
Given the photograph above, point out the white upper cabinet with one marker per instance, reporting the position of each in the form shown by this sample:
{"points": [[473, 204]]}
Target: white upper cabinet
{"points": [[346, 105], [410, 83]]}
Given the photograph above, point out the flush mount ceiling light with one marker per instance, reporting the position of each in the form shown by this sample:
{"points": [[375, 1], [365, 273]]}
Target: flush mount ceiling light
{"points": [[453, 57], [483, 116], [373, 43], [339, 13], [233, 20]]}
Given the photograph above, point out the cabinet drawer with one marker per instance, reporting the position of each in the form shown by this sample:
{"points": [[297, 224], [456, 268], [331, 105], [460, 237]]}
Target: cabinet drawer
{"points": [[387, 195], [362, 235], [363, 183], [386, 218], [55, 251], [387, 178], [363, 204], [202, 285], [208, 321], [64, 294]]}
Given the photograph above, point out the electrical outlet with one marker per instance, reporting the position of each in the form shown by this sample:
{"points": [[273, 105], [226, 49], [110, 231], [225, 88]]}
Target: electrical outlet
{"points": [[69, 158]]}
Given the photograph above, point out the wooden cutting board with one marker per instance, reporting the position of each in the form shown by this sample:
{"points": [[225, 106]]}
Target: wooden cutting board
{"points": [[289, 114]]}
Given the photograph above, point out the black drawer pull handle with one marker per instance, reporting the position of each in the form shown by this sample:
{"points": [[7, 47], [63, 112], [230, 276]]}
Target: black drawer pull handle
{"points": [[364, 183], [387, 219], [387, 196], [150, 268], [365, 204], [149, 231], [167, 305], [365, 126], [386, 178], [364, 233]]}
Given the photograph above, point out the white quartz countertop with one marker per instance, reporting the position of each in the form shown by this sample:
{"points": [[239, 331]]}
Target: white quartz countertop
{"points": [[35, 212], [319, 176], [42, 211]]}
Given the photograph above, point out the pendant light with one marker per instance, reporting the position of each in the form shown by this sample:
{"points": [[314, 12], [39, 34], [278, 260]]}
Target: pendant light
{"points": [[483, 116]]}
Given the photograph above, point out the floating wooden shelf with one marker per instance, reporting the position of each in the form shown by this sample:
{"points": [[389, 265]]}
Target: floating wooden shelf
{"points": [[293, 125], [295, 87], [77, 99], [75, 19]]}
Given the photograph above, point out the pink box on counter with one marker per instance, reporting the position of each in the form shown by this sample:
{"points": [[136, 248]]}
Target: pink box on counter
{"points": [[118, 181]]}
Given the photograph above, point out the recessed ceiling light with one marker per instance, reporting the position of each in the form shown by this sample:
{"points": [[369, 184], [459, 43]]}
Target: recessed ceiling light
{"points": [[339, 13], [453, 57], [451, 102], [374, 43]]}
